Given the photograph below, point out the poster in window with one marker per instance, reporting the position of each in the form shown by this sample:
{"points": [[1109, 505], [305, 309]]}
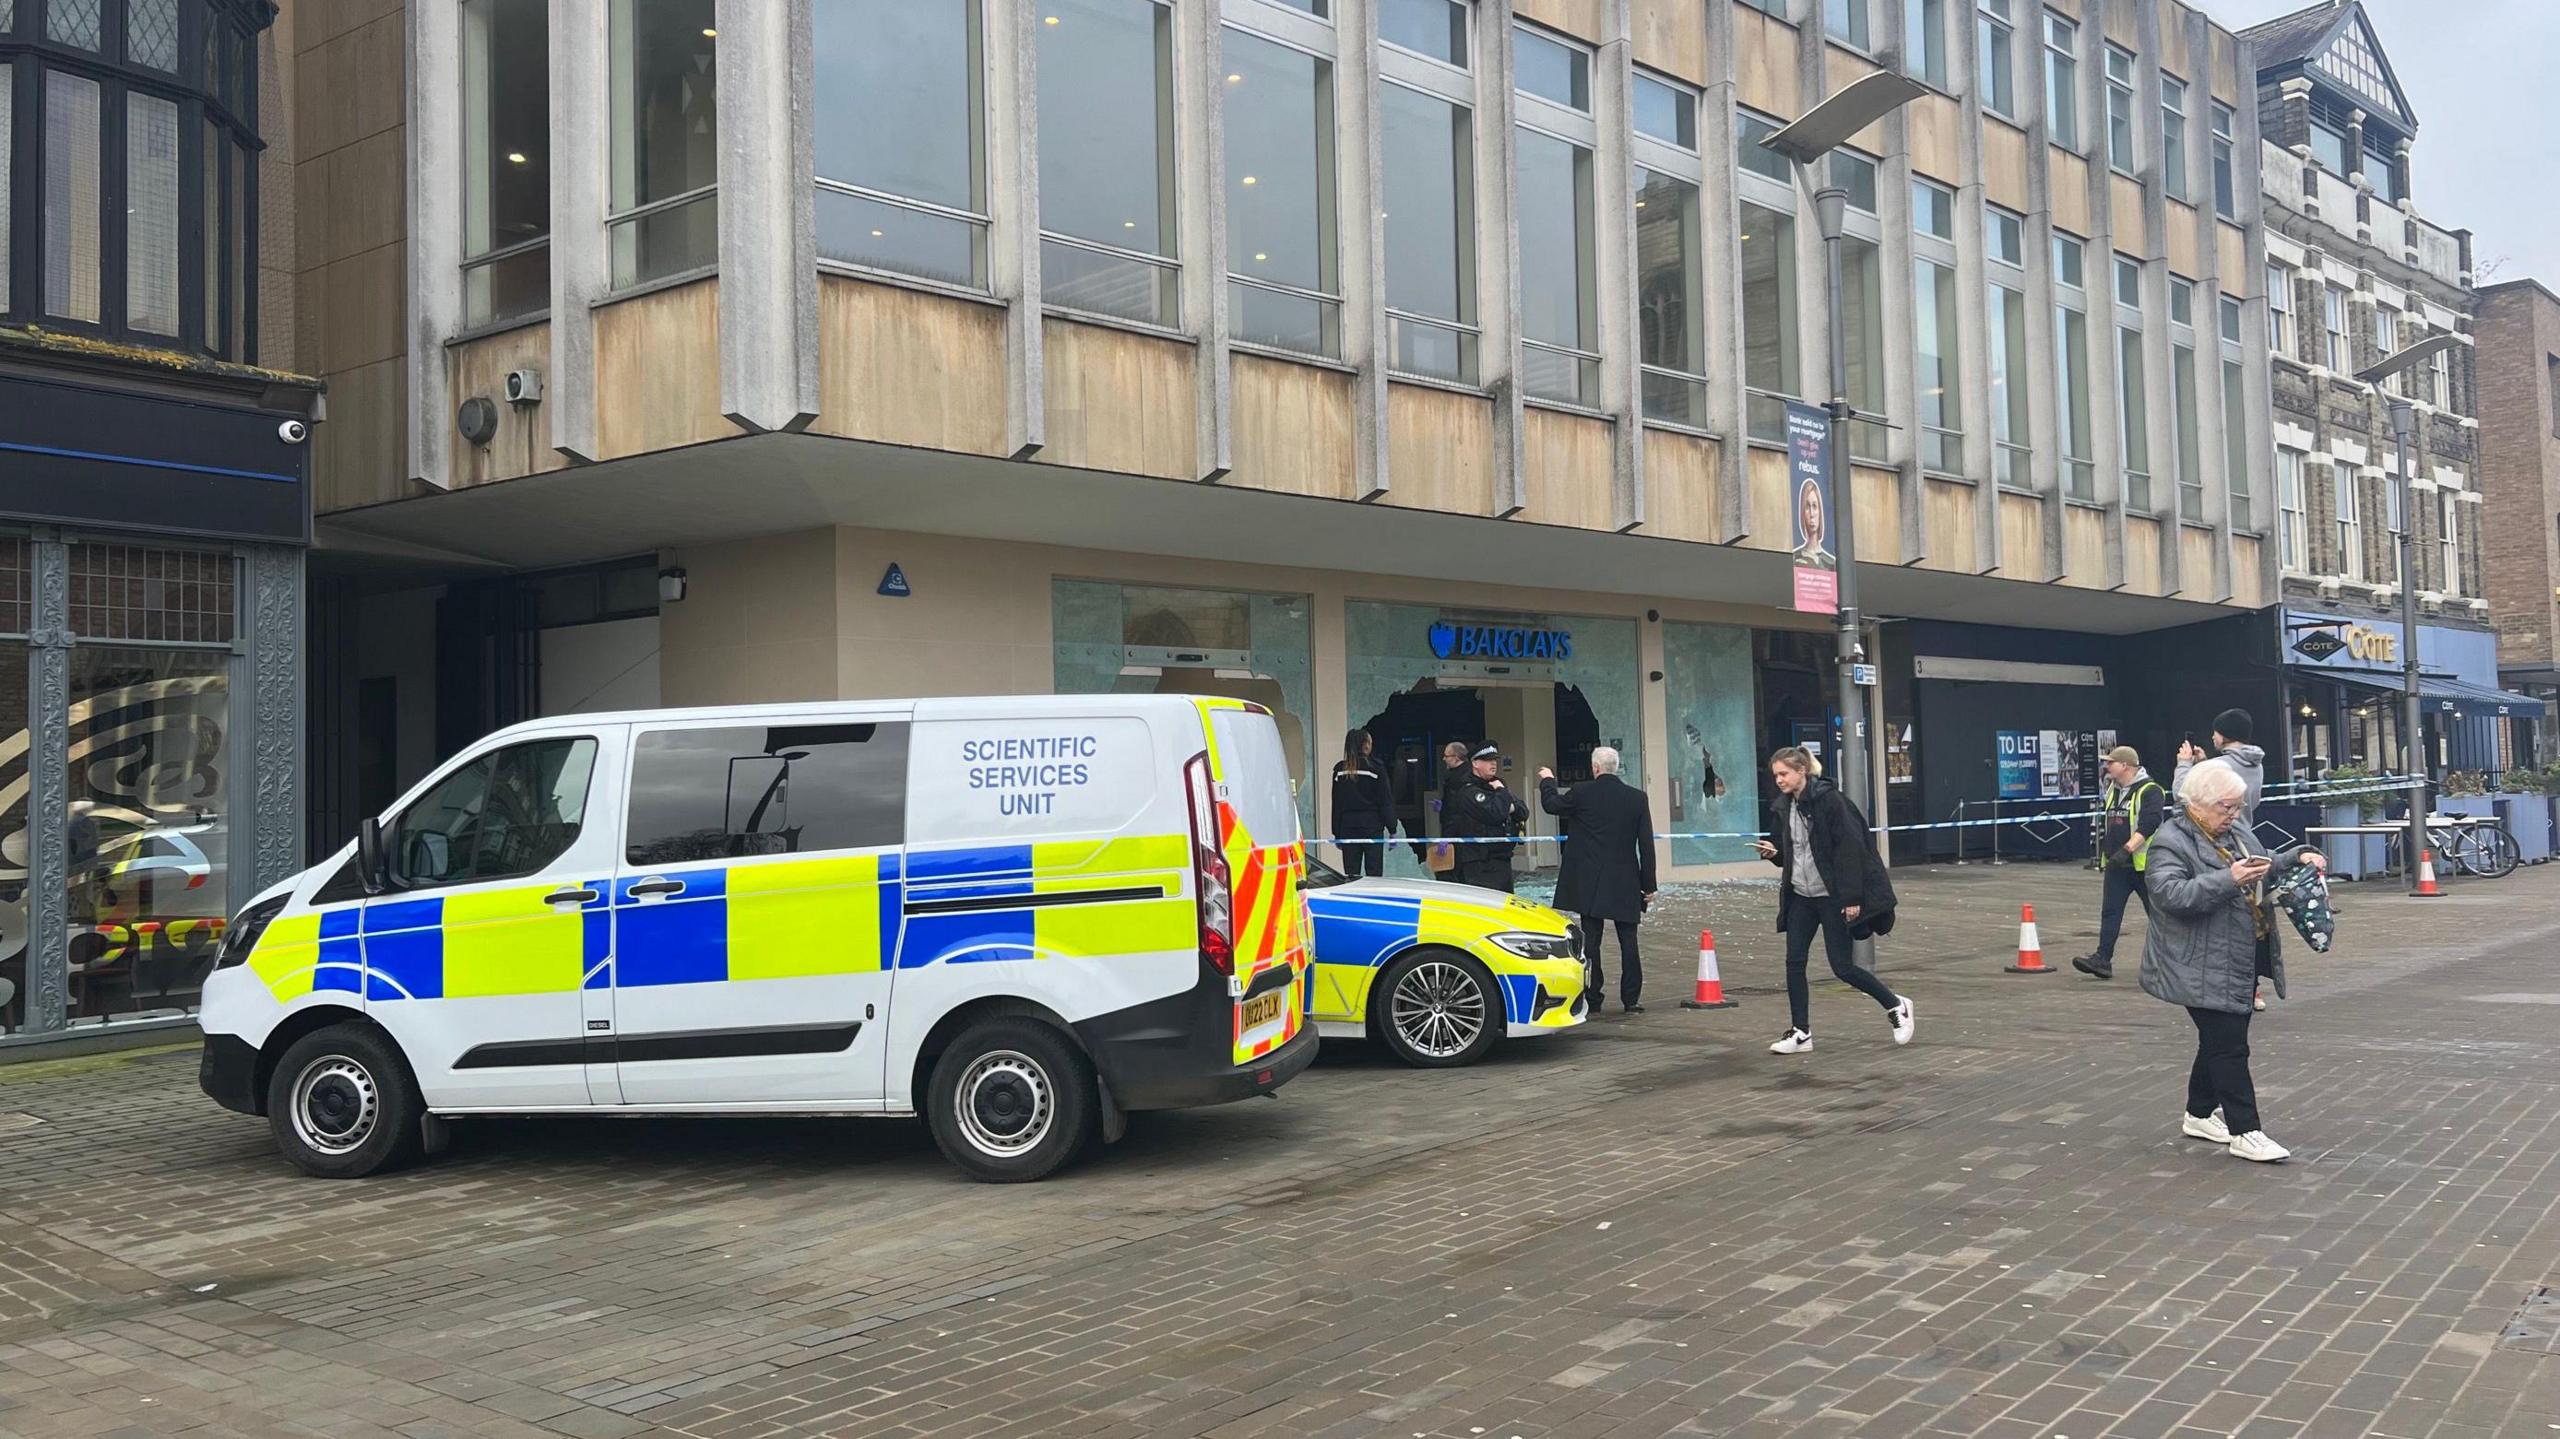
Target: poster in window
{"points": [[2017, 760]]}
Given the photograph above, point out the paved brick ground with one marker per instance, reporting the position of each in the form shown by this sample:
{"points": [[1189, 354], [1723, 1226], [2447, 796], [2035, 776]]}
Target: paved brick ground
{"points": [[1647, 1227]]}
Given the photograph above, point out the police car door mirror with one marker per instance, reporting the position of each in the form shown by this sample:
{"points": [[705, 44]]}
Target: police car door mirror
{"points": [[369, 865]]}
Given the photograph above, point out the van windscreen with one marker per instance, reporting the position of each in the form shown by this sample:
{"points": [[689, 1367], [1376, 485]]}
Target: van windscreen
{"points": [[1255, 769]]}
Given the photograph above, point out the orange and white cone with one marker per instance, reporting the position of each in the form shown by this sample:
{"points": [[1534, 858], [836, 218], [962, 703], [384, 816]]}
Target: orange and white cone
{"points": [[2030, 948], [1710, 983], [2427, 873]]}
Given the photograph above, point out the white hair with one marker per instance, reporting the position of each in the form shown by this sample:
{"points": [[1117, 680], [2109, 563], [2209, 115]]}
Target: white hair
{"points": [[2210, 784], [1604, 760]]}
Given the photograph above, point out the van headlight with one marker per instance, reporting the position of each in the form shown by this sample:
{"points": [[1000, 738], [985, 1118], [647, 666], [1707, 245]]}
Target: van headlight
{"points": [[241, 935], [1528, 945]]}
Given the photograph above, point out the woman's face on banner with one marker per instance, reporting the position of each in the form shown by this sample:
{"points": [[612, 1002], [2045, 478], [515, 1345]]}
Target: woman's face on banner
{"points": [[1809, 511]]}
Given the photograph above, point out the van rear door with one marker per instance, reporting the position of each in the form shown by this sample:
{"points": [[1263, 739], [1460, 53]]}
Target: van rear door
{"points": [[1266, 859]]}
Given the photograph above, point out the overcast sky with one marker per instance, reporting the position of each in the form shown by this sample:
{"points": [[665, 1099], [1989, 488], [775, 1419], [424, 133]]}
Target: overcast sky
{"points": [[2480, 75]]}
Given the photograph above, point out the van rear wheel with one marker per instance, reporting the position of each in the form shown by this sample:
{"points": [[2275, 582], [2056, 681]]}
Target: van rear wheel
{"points": [[341, 1104], [1010, 1101]]}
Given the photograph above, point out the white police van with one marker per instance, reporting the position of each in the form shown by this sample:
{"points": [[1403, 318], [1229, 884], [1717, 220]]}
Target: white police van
{"points": [[1020, 916]]}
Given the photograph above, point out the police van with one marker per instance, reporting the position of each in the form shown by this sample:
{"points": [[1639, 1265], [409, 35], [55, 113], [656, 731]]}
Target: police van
{"points": [[1020, 917]]}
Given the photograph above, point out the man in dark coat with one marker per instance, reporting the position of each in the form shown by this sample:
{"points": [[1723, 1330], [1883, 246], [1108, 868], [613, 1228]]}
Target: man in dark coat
{"points": [[1485, 818], [1607, 873]]}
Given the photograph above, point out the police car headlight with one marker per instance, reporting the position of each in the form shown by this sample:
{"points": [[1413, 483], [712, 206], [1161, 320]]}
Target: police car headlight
{"points": [[1536, 946], [241, 935]]}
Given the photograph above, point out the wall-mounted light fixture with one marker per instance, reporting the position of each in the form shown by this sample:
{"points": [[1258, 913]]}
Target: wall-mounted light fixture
{"points": [[670, 586]]}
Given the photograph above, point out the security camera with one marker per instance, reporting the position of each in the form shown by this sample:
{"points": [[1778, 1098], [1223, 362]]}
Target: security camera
{"points": [[293, 432]]}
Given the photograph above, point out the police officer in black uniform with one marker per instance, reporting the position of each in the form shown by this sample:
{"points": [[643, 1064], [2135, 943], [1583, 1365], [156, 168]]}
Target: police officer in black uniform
{"points": [[1474, 805]]}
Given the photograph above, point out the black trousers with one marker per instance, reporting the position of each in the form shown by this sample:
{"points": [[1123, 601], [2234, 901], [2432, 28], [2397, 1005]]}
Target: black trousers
{"points": [[2221, 1072], [1803, 918], [1364, 859], [1630, 968], [2123, 882], [1484, 871]]}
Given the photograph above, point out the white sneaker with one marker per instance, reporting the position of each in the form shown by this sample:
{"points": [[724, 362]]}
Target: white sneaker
{"points": [[1796, 1042], [2258, 1000], [2255, 1145], [2210, 1127], [1904, 1025]]}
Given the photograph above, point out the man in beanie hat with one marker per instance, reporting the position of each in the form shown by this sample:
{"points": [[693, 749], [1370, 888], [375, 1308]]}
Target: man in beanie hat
{"points": [[2134, 806], [2231, 747]]}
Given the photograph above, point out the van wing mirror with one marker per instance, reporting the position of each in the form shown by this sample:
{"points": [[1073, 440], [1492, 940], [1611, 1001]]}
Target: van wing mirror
{"points": [[369, 859]]}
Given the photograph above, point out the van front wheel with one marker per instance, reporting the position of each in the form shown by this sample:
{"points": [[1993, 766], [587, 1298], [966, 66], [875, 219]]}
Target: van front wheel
{"points": [[1010, 1101], [341, 1104]]}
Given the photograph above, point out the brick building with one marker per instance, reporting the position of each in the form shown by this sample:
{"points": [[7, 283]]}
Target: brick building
{"points": [[2519, 367], [2355, 273]]}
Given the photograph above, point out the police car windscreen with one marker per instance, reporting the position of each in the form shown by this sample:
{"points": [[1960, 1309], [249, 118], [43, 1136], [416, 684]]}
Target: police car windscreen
{"points": [[1257, 775]]}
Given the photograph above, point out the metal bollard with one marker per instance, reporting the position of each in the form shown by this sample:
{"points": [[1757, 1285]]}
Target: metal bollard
{"points": [[1995, 831], [1960, 809]]}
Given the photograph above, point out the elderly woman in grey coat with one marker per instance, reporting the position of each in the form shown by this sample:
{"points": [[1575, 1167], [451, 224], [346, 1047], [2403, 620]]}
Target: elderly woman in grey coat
{"points": [[2213, 935]]}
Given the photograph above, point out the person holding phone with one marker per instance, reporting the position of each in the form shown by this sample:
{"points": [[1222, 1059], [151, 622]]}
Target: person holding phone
{"points": [[1831, 882], [2212, 938]]}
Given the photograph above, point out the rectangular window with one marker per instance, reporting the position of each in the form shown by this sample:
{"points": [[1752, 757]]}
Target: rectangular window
{"points": [[2005, 236], [2440, 381], [1924, 41], [1940, 377], [1559, 348], [2386, 343], [2449, 540], [2010, 426], [2226, 190], [1428, 146], [1110, 240], [2068, 254], [71, 194], [2173, 138], [900, 121], [2235, 447], [1933, 210], [506, 159], [1995, 46], [1856, 174], [1862, 313], [1770, 340], [8, 109], [2280, 311], [2071, 388], [1666, 112], [2133, 416], [1435, 29], [1285, 289], [150, 213], [2293, 523], [2182, 301], [1670, 303], [2061, 81], [664, 219], [2129, 282], [2329, 147], [1551, 69], [2379, 169], [210, 242], [1759, 159], [2551, 364], [1846, 21], [2120, 105], [2342, 479], [2230, 315], [502, 816], [2182, 385], [2333, 328], [732, 793]]}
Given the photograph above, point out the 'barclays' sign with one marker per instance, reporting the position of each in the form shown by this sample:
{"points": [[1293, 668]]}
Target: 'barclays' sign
{"points": [[1499, 642]]}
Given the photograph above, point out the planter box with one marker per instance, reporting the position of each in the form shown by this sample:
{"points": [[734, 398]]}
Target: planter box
{"points": [[2352, 856], [2528, 818]]}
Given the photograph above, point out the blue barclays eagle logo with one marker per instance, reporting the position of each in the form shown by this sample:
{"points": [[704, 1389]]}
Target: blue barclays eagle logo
{"points": [[1444, 639]]}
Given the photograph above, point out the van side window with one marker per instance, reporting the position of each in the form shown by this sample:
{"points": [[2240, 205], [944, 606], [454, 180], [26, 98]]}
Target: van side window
{"points": [[703, 794], [506, 814]]}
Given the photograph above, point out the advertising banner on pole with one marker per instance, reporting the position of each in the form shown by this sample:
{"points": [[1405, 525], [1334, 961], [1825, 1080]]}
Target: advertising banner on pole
{"points": [[1810, 533]]}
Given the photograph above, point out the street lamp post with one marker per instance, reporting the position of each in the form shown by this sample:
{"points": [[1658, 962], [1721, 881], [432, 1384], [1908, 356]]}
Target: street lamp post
{"points": [[2404, 419], [1805, 141]]}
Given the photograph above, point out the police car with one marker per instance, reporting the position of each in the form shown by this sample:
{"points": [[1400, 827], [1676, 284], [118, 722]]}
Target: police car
{"points": [[1019, 917], [1439, 973]]}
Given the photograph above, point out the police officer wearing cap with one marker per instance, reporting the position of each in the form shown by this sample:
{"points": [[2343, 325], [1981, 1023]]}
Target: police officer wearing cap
{"points": [[1484, 818]]}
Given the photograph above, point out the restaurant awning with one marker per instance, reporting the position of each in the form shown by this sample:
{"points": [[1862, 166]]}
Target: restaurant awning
{"points": [[2437, 692]]}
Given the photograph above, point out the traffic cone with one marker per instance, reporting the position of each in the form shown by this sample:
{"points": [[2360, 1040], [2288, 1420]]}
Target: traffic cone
{"points": [[2030, 948], [2427, 873], [1710, 984]]}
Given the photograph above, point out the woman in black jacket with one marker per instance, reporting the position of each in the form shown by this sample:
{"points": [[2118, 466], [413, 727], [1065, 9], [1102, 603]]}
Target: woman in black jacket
{"points": [[1830, 879], [1364, 808]]}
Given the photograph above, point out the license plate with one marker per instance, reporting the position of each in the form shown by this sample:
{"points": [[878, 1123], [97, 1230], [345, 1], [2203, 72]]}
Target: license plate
{"points": [[1264, 1009]]}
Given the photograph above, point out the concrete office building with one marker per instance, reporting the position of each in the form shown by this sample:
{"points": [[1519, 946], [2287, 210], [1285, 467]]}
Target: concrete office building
{"points": [[2358, 273], [2519, 364], [1403, 363]]}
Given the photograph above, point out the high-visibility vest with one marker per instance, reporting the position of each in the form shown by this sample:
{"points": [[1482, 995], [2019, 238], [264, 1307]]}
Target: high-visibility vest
{"points": [[2132, 818]]}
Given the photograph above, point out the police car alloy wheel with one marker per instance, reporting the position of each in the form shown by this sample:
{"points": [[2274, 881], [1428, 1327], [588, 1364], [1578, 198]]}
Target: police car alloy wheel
{"points": [[341, 1104], [1438, 1008], [1011, 1100]]}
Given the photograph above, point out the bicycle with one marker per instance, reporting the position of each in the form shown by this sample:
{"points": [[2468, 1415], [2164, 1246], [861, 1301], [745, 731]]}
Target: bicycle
{"points": [[2484, 849]]}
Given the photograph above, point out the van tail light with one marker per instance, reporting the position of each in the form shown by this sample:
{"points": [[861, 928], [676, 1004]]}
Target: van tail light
{"points": [[1215, 883]]}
